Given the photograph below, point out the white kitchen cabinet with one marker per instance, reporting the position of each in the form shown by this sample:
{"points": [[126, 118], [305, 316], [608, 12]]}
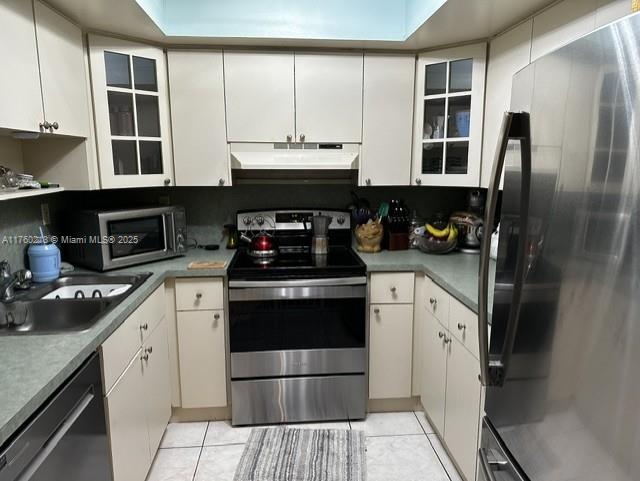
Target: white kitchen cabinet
{"points": [[437, 302], [199, 294], [392, 287], [198, 122], [387, 119], [463, 325], [62, 72], [259, 89], [561, 24], [328, 89], [449, 100], [157, 388], [611, 10], [20, 96], [462, 407], [508, 54], [433, 380], [418, 325], [201, 353], [131, 106], [127, 425], [390, 350]]}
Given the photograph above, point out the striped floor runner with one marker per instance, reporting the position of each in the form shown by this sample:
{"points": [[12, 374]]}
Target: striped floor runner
{"points": [[290, 454]]}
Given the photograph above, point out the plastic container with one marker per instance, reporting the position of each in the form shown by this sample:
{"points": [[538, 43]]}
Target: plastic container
{"points": [[44, 262], [463, 119]]}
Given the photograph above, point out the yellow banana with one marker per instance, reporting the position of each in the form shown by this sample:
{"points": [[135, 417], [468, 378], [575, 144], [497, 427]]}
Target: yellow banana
{"points": [[453, 233], [439, 233]]}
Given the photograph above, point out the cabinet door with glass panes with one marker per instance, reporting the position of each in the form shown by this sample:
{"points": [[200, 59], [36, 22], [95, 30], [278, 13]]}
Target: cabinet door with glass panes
{"points": [[448, 116], [131, 104]]}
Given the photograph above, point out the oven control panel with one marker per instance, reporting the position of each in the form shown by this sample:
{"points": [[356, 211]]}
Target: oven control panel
{"points": [[294, 219]]}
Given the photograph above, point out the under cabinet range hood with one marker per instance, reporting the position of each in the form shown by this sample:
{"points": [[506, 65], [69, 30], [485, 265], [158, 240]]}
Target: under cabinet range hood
{"points": [[314, 162]]}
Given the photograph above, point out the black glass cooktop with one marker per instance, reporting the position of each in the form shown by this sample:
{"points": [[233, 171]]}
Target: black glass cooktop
{"points": [[339, 262]]}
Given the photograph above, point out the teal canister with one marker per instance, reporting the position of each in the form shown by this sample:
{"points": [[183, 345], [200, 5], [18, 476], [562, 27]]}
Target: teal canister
{"points": [[44, 262]]}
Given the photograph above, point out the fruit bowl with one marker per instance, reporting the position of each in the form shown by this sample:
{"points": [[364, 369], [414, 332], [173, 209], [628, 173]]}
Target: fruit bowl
{"points": [[432, 245]]}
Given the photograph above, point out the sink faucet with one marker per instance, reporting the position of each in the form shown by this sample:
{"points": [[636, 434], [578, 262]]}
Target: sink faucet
{"points": [[10, 281]]}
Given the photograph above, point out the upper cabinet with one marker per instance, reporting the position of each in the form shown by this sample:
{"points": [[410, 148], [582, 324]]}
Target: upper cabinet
{"points": [[44, 85], [260, 96], [328, 97], [131, 103], [198, 123], [387, 119], [287, 97], [62, 72], [448, 117]]}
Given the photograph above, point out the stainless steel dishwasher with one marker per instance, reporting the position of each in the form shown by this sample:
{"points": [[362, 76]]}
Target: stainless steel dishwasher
{"points": [[66, 439]]}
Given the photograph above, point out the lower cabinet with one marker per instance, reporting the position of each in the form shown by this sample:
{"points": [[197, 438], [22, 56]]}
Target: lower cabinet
{"points": [[127, 424], [433, 382], [390, 347], [462, 407], [201, 353]]}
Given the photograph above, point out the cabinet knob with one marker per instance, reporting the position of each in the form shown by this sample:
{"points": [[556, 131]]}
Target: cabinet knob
{"points": [[216, 316], [302, 137], [433, 301], [393, 289], [167, 181], [220, 182], [289, 138], [144, 327], [376, 311], [198, 295], [447, 339], [440, 334], [144, 357], [45, 125], [461, 327], [148, 350], [54, 126], [418, 180], [368, 181]]}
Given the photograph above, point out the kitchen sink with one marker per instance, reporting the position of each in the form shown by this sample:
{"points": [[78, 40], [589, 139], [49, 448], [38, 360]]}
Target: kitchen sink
{"points": [[70, 303]]}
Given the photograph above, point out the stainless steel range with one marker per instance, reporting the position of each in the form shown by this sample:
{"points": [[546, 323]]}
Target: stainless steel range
{"points": [[297, 321]]}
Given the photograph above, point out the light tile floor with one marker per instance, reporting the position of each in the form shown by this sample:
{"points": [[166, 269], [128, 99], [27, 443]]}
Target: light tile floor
{"points": [[400, 447]]}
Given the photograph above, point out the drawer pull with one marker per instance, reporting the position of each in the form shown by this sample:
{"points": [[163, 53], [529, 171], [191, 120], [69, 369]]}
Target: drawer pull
{"points": [[433, 301], [149, 350], [199, 295], [144, 357], [447, 340], [216, 316], [376, 311], [440, 334], [461, 327], [393, 289], [144, 327]]}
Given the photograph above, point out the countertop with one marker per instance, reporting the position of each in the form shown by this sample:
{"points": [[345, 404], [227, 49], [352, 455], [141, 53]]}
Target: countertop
{"points": [[34, 366]]}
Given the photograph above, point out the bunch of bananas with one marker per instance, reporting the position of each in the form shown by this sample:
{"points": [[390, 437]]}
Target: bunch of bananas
{"points": [[448, 234]]}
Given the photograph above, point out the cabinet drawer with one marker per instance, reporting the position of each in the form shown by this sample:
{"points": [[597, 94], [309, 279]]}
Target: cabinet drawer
{"points": [[392, 288], [199, 294], [463, 324], [120, 347], [436, 301]]}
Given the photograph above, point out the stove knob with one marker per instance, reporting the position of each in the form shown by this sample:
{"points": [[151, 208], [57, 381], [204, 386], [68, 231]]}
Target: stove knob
{"points": [[341, 219], [259, 220], [246, 220], [180, 241]]}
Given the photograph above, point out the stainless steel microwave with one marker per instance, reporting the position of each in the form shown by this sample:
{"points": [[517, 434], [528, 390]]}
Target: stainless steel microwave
{"points": [[110, 239]]}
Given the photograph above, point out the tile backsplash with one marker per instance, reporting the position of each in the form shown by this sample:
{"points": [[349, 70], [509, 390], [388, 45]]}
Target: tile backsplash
{"points": [[208, 208]]}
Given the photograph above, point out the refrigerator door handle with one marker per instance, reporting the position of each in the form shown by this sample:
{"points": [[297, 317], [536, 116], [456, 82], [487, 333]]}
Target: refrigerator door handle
{"points": [[485, 465], [515, 126]]}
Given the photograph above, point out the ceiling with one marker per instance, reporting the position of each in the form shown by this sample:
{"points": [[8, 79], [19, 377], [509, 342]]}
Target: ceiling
{"points": [[371, 24]]}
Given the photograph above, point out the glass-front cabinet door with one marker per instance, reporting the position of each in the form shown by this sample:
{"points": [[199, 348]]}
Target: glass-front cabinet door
{"points": [[448, 126], [131, 113]]}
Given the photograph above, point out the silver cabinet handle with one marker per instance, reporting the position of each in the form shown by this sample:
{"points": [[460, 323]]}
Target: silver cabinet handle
{"points": [[302, 137], [54, 126], [148, 350], [418, 180], [514, 126], [376, 311], [144, 357], [167, 181], [461, 327], [393, 289], [221, 182], [440, 334], [447, 340], [368, 181], [45, 125], [144, 327], [289, 138], [198, 295], [216, 316]]}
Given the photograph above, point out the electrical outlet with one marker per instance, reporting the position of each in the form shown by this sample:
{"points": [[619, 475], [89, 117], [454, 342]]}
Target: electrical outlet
{"points": [[46, 217]]}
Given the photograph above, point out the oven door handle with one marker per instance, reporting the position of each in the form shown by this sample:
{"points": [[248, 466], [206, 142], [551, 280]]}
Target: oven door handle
{"points": [[340, 281]]}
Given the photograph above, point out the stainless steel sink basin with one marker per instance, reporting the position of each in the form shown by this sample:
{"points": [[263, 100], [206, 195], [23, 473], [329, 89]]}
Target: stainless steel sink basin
{"points": [[36, 311]]}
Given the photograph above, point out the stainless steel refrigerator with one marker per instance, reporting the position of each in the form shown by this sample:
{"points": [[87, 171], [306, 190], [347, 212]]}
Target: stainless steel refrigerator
{"points": [[562, 368]]}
